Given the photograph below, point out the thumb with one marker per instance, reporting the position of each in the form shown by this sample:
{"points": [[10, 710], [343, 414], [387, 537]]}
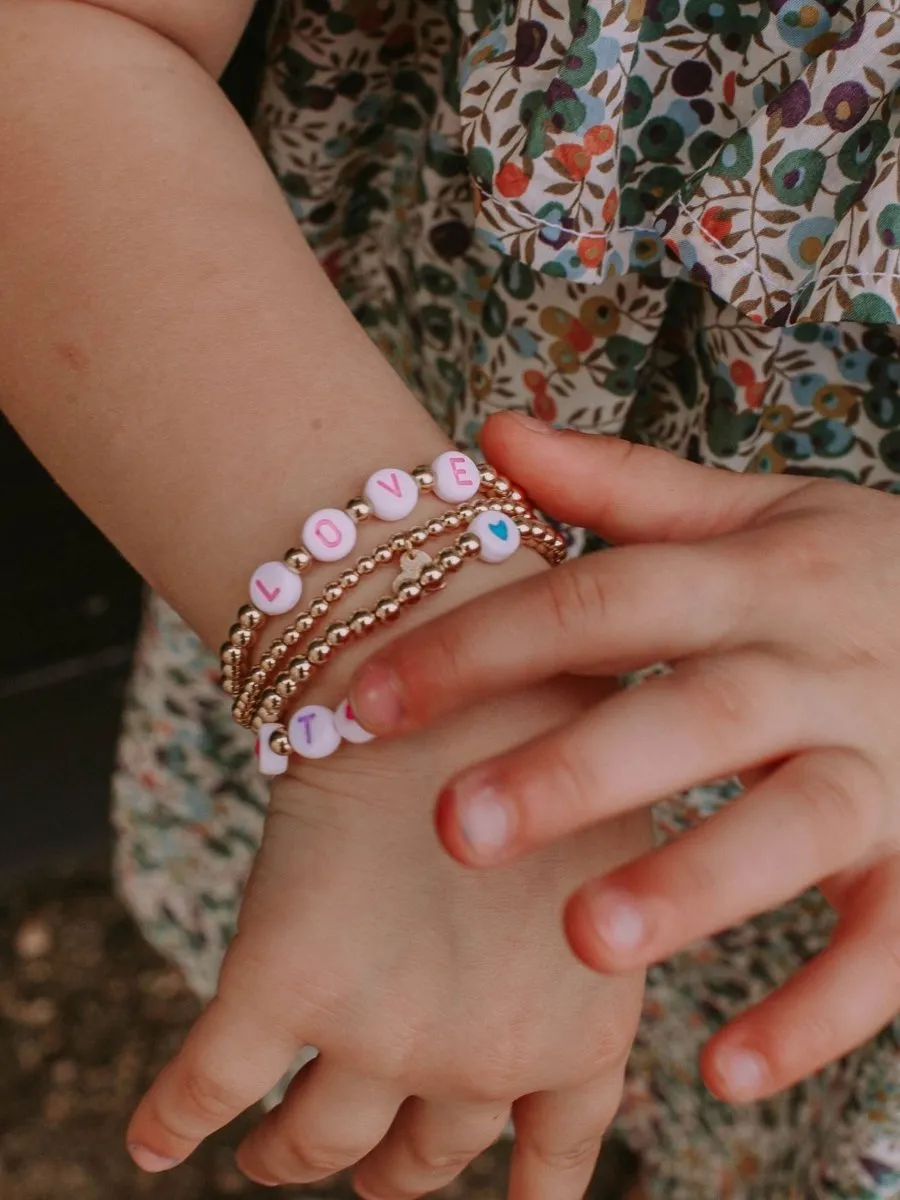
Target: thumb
{"points": [[624, 492]]}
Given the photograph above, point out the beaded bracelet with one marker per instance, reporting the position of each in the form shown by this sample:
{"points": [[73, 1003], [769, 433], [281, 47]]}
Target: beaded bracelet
{"points": [[330, 534], [314, 731], [408, 546]]}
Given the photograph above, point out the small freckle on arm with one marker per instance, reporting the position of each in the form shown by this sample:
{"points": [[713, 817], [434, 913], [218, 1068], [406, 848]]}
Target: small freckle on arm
{"points": [[72, 356], [316, 424]]}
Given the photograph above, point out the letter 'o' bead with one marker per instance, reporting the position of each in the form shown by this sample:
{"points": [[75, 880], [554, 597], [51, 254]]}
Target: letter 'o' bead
{"points": [[499, 537], [391, 493], [329, 534], [348, 726], [312, 731], [456, 477], [270, 763]]}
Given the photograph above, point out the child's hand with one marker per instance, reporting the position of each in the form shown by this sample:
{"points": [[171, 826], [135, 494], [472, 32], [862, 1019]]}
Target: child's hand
{"points": [[777, 600], [439, 999]]}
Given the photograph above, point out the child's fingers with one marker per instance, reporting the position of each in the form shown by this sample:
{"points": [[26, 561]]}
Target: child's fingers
{"points": [[329, 1120], [604, 615], [701, 722], [231, 1058], [626, 492], [428, 1146], [834, 1004], [809, 819], [558, 1139]]}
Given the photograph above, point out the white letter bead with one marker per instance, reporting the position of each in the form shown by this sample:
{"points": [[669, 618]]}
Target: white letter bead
{"points": [[270, 763], [329, 534], [274, 589], [499, 537], [348, 726], [456, 477], [312, 731], [392, 494]]}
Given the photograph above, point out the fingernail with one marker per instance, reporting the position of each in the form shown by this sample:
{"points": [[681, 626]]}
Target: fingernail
{"points": [[485, 817], [532, 424], [147, 1160], [617, 921], [743, 1072], [377, 698]]}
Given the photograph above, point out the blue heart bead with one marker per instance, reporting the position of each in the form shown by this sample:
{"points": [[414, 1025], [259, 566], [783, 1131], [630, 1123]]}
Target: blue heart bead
{"points": [[500, 530]]}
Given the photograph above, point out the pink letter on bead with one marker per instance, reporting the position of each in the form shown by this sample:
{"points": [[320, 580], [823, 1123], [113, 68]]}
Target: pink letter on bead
{"points": [[393, 487], [334, 540], [458, 465]]}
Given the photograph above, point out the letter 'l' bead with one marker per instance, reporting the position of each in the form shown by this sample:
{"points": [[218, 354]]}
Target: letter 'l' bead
{"points": [[275, 589], [312, 732], [329, 534], [391, 493], [348, 726], [499, 537], [270, 763], [456, 477]]}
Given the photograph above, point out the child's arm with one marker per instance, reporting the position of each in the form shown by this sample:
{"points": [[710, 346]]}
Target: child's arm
{"points": [[168, 346], [172, 352]]}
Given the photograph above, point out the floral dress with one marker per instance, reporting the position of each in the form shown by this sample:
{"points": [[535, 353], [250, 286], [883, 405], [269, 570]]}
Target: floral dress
{"points": [[677, 221]]}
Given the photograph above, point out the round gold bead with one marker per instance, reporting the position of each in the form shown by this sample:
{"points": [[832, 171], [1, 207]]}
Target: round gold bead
{"points": [[358, 509], [291, 637], [249, 616], [432, 578], [279, 743], [318, 651], [338, 633], [466, 512], [488, 476], [362, 622], [435, 527], [268, 663], [286, 687], [349, 579], [366, 565], [549, 537], [333, 592], [451, 520], [231, 655], [449, 559], [278, 649], [468, 544], [524, 527], [508, 507], [298, 559], [387, 609], [227, 686], [269, 699], [480, 506], [257, 675], [424, 477], [408, 591], [537, 531], [418, 536], [502, 487], [515, 495], [300, 669], [256, 724], [239, 637], [521, 510], [304, 623], [400, 543], [318, 608], [383, 553]]}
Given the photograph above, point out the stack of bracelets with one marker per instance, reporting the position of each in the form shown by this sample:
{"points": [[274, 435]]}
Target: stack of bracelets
{"points": [[490, 521]]}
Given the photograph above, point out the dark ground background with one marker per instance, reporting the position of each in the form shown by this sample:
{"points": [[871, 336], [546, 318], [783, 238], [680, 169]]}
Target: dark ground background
{"points": [[88, 1013]]}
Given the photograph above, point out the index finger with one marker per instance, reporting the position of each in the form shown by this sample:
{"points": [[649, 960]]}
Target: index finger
{"points": [[231, 1059], [615, 611]]}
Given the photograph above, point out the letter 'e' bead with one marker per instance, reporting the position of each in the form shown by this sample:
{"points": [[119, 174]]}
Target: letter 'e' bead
{"points": [[456, 477]]}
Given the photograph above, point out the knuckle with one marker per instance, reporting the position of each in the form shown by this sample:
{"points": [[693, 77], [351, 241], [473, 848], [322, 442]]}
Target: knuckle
{"points": [[573, 1155], [834, 807], [211, 1098], [578, 598], [717, 694], [316, 1157], [428, 1160]]}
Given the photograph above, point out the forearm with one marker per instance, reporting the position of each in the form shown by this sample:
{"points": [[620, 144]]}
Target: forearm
{"points": [[168, 346]]}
